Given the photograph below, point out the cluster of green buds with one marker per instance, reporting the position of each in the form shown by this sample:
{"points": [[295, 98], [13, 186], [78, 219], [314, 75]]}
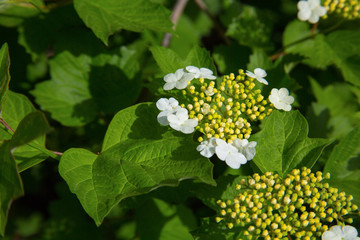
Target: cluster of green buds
{"points": [[349, 9], [226, 111], [299, 206]]}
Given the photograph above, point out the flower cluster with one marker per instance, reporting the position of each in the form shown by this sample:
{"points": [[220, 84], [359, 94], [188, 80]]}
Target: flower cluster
{"points": [[222, 112], [310, 10], [300, 206], [349, 9]]}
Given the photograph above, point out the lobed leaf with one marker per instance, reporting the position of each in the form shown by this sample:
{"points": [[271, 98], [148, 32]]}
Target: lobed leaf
{"points": [[137, 157], [283, 145], [109, 16]]}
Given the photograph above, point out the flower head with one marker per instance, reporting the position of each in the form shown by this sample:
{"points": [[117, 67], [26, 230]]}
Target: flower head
{"points": [[200, 73], [310, 10], [167, 107], [245, 147], [178, 80], [230, 154], [259, 74], [281, 99], [341, 233], [180, 121], [207, 148]]}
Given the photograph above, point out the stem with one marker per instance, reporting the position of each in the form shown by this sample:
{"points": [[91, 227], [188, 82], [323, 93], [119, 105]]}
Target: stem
{"points": [[6, 125], [2, 121], [175, 16], [217, 25]]}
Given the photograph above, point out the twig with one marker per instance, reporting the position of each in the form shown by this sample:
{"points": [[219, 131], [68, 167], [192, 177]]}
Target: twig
{"points": [[2, 121], [313, 30], [175, 16], [217, 25], [6, 125]]}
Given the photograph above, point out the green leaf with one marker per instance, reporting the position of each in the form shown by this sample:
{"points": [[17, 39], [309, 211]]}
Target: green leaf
{"points": [[4, 72], [82, 86], [30, 128], [168, 222], [138, 156], [295, 31], [340, 48], [228, 62], [16, 107], [12, 12], [259, 59], [169, 61], [10, 183], [251, 27], [283, 145], [344, 166], [109, 16]]}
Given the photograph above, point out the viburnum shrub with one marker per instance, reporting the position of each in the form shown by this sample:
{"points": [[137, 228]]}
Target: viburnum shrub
{"points": [[184, 119]]}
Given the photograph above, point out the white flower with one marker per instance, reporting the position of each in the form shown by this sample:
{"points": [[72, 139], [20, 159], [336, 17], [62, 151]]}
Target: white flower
{"points": [[209, 91], [179, 79], [245, 147], [281, 99], [167, 107], [200, 73], [180, 121], [259, 74], [341, 233], [228, 153], [310, 10], [207, 148]]}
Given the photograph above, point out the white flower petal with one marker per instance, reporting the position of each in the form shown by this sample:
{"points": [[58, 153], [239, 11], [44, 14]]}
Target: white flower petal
{"points": [[170, 77], [314, 18], [320, 11], [349, 232], [328, 235], [169, 85], [303, 5], [263, 81], [162, 104], [179, 73], [250, 74], [206, 71], [313, 3], [181, 84], [173, 102], [162, 118], [259, 72], [235, 159], [304, 15]]}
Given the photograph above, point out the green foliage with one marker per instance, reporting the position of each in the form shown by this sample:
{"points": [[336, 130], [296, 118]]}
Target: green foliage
{"points": [[109, 16], [95, 69], [284, 141], [4, 73], [138, 156]]}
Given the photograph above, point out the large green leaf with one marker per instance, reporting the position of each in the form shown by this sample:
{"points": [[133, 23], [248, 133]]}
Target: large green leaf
{"points": [[13, 12], [169, 61], [4, 72], [168, 222], [340, 48], [109, 16], [344, 165], [136, 159], [283, 145], [15, 108], [31, 127], [81, 87]]}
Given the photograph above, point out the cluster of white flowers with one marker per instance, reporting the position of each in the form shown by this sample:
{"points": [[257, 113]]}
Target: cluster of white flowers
{"points": [[280, 98], [310, 10], [341, 233], [175, 116], [234, 154], [239, 151], [181, 78]]}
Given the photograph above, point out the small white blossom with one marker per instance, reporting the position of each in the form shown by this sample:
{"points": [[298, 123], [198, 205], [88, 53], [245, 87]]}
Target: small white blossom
{"points": [[180, 121], [205, 109], [341, 233], [259, 74], [230, 154], [245, 147], [209, 91], [207, 148], [178, 80], [200, 73], [310, 10], [167, 107], [281, 99]]}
